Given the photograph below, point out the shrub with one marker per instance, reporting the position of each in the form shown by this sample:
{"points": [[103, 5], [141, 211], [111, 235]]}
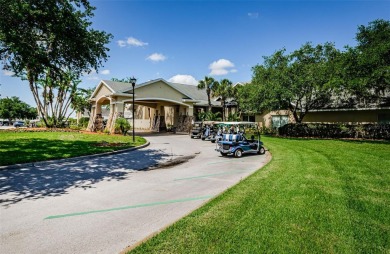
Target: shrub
{"points": [[83, 122], [123, 125], [267, 131], [365, 131]]}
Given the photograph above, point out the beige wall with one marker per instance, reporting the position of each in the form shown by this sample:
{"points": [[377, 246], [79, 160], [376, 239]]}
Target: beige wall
{"points": [[103, 90], [265, 119], [158, 90]]}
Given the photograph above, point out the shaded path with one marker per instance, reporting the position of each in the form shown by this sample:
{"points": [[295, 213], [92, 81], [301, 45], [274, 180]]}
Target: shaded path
{"points": [[54, 179]]}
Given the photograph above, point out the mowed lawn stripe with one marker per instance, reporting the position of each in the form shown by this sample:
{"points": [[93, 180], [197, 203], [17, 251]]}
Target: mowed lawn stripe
{"points": [[315, 196]]}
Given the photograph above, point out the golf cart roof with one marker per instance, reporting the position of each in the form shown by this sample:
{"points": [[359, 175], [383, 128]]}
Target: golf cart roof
{"points": [[238, 123], [211, 122]]}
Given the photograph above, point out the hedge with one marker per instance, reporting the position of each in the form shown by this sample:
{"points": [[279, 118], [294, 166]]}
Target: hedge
{"points": [[364, 131]]}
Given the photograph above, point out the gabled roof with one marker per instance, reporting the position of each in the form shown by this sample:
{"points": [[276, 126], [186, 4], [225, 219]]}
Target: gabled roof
{"points": [[188, 96], [196, 94], [113, 86], [190, 92], [117, 86]]}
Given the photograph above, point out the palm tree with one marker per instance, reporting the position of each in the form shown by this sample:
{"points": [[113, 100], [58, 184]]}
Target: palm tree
{"points": [[208, 84], [224, 91]]}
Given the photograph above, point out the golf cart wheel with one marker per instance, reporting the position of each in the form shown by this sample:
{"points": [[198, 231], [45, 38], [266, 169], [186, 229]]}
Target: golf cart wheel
{"points": [[238, 153], [261, 150], [203, 138], [192, 136], [212, 141], [223, 154]]}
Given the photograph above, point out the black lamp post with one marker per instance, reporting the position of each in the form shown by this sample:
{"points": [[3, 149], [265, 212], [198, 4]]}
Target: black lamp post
{"points": [[132, 81]]}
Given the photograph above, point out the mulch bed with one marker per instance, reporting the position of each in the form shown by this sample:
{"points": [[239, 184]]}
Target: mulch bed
{"points": [[107, 144]]}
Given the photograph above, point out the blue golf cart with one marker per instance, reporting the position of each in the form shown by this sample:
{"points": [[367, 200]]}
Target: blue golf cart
{"points": [[235, 143]]}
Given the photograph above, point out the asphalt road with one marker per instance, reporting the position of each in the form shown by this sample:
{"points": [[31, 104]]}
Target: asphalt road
{"points": [[105, 204]]}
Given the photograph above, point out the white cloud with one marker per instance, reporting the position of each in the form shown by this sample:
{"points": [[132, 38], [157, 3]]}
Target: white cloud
{"points": [[221, 67], [121, 43], [184, 79], [131, 41], [8, 73], [156, 57], [135, 42], [233, 70], [105, 72]]}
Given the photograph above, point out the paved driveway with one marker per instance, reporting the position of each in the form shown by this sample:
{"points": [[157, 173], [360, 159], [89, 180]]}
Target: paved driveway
{"points": [[104, 204]]}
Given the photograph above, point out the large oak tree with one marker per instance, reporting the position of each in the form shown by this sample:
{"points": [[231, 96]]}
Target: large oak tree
{"points": [[51, 44], [366, 67], [300, 81]]}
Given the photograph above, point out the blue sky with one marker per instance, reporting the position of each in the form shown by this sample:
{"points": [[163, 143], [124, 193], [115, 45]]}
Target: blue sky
{"points": [[183, 41]]}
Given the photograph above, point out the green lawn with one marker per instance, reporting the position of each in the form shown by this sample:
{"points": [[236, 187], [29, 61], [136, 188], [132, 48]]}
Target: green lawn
{"points": [[21, 147], [315, 196]]}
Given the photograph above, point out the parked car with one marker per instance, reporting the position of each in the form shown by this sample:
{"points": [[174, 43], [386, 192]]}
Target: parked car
{"points": [[237, 144], [4, 123], [18, 124]]}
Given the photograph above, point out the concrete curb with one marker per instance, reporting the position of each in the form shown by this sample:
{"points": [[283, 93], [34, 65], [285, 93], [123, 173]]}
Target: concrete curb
{"points": [[42, 163]]}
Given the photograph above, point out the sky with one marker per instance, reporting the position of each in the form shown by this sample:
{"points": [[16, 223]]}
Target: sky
{"points": [[184, 41]]}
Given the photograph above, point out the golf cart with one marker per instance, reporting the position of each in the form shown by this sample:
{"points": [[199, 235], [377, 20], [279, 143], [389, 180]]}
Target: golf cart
{"points": [[235, 143], [209, 130], [197, 130]]}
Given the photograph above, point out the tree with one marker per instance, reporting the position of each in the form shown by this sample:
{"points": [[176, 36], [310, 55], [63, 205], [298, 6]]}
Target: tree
{"points": [[224, 91], [47, 42], [124, 80], [209, 84], [209, 116], [366, 67], [80, 100], [300, 81], [14, 108]]}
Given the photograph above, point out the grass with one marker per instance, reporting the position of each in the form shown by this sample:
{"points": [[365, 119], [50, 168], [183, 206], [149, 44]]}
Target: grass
{"points": [[22, 147], [315, 196]]}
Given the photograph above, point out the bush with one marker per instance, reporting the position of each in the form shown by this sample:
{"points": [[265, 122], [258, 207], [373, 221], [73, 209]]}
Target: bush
{"points": [[365, 131], [83, 122], [123, 125], [267, 131]]}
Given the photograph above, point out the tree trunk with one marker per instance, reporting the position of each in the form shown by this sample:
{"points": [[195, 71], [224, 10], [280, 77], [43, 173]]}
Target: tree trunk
{"points": [[34, 91], [209, 99]]}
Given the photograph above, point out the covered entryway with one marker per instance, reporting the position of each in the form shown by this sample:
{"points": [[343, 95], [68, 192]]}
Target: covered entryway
{"points": [[159, 105]]}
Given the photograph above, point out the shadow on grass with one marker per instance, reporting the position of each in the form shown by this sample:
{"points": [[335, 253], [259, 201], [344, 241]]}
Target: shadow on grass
{"points": [[57, 179], [35, 149]]}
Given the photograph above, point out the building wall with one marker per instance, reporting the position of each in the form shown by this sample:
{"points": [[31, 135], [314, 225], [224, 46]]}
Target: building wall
{"points": [[265, 119], [158, 90], [103, 90]]}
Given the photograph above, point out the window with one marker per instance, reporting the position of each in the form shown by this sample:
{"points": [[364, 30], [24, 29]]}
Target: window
{"points": [[279, 121], [248, 118]]}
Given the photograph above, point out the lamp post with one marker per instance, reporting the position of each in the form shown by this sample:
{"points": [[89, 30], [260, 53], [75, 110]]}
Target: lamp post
{"points": [[132, 81]]}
